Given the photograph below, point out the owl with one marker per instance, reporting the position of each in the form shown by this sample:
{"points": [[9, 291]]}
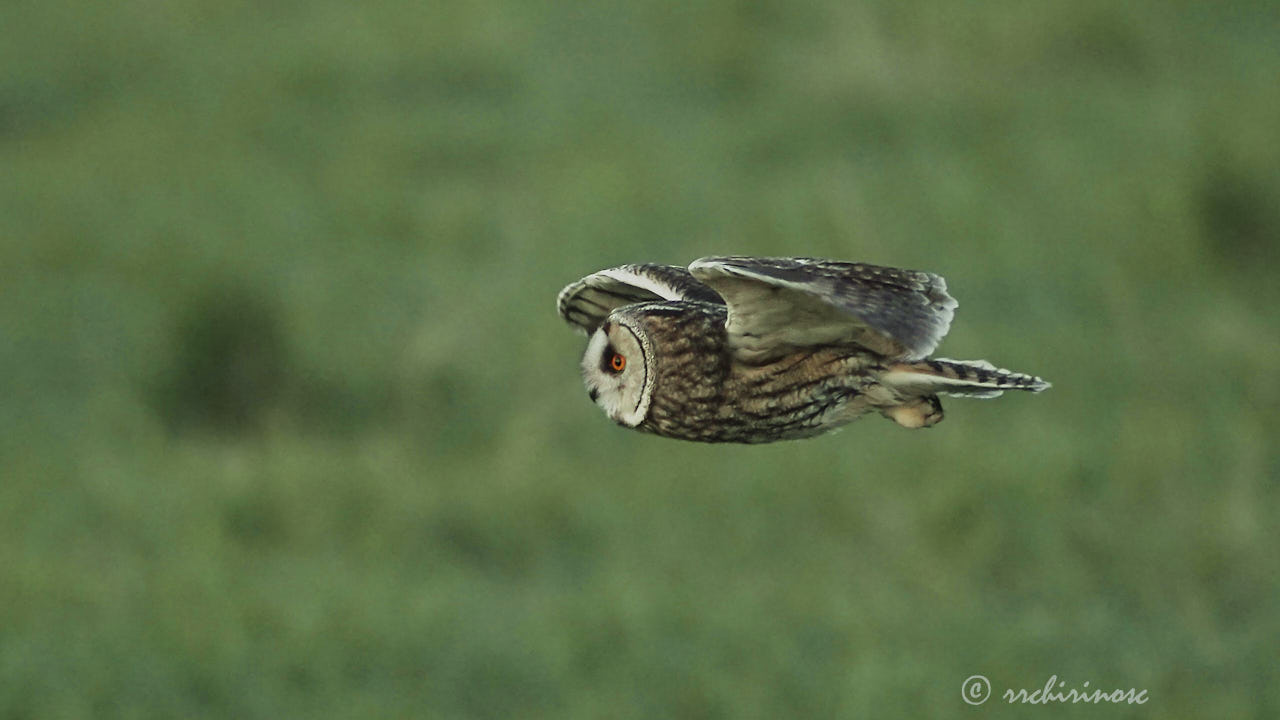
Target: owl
{"points": [[753, 350]]}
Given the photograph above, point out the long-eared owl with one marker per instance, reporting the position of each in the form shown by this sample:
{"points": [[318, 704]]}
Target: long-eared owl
{"points": [[752, 350]]}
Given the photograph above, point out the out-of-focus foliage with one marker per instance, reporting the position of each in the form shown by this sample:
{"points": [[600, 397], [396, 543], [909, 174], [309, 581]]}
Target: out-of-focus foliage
{"points": [[289, 427]]}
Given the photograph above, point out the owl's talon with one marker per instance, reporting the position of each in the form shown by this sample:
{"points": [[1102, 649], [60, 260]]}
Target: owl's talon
{"points": [[920, 413]]}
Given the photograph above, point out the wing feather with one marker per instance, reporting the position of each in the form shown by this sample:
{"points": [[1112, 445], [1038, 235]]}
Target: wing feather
{"points": [[587, 302], [777, 304]]}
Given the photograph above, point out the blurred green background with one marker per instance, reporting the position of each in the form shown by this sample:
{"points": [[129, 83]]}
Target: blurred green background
{"points": [[289, 426]]}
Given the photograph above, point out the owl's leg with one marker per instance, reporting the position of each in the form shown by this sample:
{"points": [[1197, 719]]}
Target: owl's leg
{"points": [[917, 412]]}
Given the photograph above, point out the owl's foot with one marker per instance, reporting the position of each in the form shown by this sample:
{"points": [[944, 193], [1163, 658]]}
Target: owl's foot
{"points": [[916, 413]]}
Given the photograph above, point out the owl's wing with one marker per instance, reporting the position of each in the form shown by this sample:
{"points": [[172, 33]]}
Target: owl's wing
{"points": [[778, 304], [587, 302]]}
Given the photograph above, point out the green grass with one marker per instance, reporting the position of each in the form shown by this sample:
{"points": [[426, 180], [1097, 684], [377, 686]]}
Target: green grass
{"points": [[289, 427]]}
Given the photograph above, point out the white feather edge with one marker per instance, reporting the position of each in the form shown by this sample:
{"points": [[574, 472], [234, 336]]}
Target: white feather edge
{"points": [[628, 277], [619, 275]]}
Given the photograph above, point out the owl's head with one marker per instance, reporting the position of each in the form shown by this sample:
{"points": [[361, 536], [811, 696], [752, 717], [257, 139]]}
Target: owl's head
{"points": [[617, 370]]}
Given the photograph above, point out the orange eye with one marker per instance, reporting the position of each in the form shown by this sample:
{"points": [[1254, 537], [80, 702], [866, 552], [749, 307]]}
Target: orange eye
{"points": [[617, 363]]}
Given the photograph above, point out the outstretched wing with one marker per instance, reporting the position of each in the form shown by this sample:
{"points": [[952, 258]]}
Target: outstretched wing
{"points": [[587, 302], [778, 304]]}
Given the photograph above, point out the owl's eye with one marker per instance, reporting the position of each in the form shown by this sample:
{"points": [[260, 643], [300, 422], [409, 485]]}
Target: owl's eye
{"points": [[617, 363]]}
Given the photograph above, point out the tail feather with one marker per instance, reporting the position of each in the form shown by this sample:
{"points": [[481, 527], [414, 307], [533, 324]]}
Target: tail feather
{"points": [[964, 378]]}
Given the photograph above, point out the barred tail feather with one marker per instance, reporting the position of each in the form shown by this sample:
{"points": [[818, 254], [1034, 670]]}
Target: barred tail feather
{"points": [[962, 378]]}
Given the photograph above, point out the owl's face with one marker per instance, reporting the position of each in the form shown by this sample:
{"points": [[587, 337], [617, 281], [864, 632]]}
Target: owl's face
{"points": [[616, 370]]}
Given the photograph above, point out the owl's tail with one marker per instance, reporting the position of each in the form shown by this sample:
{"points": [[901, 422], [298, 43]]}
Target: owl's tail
{"points": [[962, 378]]}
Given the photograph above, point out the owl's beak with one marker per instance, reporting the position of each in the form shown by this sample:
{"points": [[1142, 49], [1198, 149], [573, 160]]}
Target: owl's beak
{"points": [[593, 394]]}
